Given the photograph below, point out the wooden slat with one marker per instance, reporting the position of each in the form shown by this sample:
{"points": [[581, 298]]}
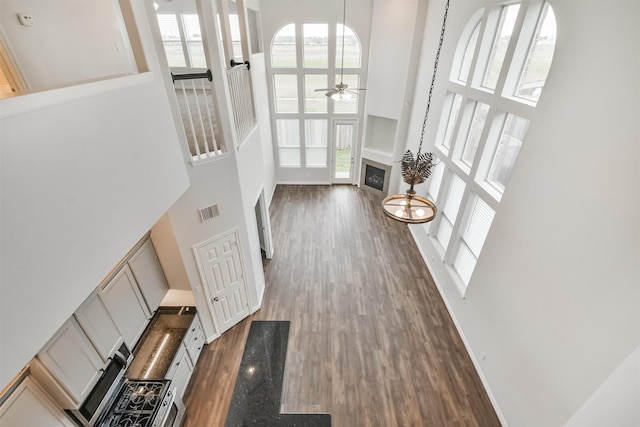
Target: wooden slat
{"points": [[371, 341]]}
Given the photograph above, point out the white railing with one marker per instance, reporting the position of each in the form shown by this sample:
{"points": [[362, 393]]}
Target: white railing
{"points": [[195, 96], [244, 114]]}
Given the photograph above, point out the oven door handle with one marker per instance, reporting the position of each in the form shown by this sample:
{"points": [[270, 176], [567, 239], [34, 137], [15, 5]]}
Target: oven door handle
{"points": [[166, 407]]}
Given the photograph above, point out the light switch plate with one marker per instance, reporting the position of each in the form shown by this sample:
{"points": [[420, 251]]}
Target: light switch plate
{"points": [[26, 19]]}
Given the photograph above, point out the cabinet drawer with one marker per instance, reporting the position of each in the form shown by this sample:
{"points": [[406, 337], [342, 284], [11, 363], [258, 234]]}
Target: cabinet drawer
{"points": [[195, 344]]}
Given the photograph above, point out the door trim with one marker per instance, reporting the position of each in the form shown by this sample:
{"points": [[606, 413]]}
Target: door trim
{"points": [[203, 277], [354, 151]]}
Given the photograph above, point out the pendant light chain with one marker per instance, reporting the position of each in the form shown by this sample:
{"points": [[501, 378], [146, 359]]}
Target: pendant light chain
{"points": [[433, 78]]}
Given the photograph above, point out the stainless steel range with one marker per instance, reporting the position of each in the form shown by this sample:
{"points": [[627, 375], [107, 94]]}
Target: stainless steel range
{"points": [[143, 403]]}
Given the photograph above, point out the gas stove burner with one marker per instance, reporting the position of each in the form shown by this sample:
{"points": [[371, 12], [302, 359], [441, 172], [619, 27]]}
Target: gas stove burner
{"points": [[136, 404]]}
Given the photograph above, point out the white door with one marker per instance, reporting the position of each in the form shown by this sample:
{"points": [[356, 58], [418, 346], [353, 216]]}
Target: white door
{"points": [[344, 134], [223, 276]]}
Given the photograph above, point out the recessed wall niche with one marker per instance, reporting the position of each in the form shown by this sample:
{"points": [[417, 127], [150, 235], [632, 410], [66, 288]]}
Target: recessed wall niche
{"points": [[381, 133]]}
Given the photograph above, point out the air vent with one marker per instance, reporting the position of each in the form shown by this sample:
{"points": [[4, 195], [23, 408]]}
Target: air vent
{"points": [[208, 213]]}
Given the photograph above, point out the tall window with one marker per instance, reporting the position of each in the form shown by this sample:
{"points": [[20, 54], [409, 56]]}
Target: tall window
{"points": [[306, 56], [182, 40], [499, 70]]}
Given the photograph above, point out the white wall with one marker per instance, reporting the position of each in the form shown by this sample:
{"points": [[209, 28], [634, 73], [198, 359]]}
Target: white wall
{"points": [[261, 95], [78, 191], [555, 297], [71, 41], [85, 172], [212, 183], [615, 402]]}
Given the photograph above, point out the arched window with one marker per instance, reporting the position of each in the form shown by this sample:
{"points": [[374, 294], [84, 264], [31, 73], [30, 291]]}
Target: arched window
{"points": [[305, 57], [498, 74]]}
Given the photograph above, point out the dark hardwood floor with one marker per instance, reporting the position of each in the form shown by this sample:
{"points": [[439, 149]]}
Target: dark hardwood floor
{"points": [[370, 342]]}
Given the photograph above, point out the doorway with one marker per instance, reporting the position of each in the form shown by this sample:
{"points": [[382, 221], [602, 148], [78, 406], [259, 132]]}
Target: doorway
{"points": [[344, 134], [263, 223]]}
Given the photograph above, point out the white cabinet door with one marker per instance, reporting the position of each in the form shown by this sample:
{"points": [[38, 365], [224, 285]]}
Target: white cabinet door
{"points": [[29, 406], [72, 359], [99, 326], [180, 372], [148, 273], [195, 340], [124, 302]]}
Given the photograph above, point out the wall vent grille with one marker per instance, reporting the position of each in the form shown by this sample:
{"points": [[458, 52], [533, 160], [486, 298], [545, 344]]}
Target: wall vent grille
{"points": [[208, 213]]}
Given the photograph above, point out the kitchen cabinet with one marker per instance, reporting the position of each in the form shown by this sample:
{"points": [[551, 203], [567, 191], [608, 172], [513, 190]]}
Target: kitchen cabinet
{"points": [[29, 406], [148, 273], [180, 371], [72, 359], [125, 304], [101, 329], [194, 340]]}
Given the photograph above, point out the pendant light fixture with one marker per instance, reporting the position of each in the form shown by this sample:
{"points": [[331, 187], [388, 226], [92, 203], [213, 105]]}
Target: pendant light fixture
{"points": [[342, 91], [409, 207]]}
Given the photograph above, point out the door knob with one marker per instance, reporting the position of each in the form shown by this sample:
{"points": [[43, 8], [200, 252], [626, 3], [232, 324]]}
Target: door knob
{"points": [[216, 299]]}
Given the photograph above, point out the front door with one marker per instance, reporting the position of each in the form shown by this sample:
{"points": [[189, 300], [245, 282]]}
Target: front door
{"points": [[344, 134], [223, 276]]}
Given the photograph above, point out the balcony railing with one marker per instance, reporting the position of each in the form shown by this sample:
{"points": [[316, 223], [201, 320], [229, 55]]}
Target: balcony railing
{"points": [[244, 114], [195, 96]]}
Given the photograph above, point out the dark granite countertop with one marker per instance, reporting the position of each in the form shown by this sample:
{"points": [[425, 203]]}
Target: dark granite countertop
{"points": [[258, 389], [160, 342]]}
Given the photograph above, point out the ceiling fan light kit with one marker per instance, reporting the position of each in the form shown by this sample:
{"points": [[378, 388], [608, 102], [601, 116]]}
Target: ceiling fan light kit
{"points": [[411, 208]]}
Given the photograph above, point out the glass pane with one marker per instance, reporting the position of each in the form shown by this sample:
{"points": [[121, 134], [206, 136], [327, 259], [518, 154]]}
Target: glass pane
{"points": [[451, 119], [288, 134], [498, 50], [435, 181], [464, 263], [507, 151], [170, 34], [191, 27], [194, 40], [477, 225], [444, 233], [283, 48], [316, 45], [315, 102], [475, 132], [468, 55], [196, 55], [539, 59], [315, 140], [285, 87], [175, 54], [236, 38], [348, 105], [168, 26], [351, 48], [344, 142], [454, 198]]}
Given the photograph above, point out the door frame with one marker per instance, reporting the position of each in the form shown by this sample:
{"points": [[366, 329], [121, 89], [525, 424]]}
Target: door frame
{"points": [[354, 150], [203, 278], [266, 224]]}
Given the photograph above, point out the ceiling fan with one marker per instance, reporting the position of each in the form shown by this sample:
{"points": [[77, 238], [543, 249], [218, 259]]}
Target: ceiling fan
{"points": [[342, 91]]}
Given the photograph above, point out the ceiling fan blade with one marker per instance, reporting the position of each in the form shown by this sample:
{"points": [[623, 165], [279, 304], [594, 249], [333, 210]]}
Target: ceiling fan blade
{"points": [[331, 92], [357, 88], [325, 89], [352, 92]]}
